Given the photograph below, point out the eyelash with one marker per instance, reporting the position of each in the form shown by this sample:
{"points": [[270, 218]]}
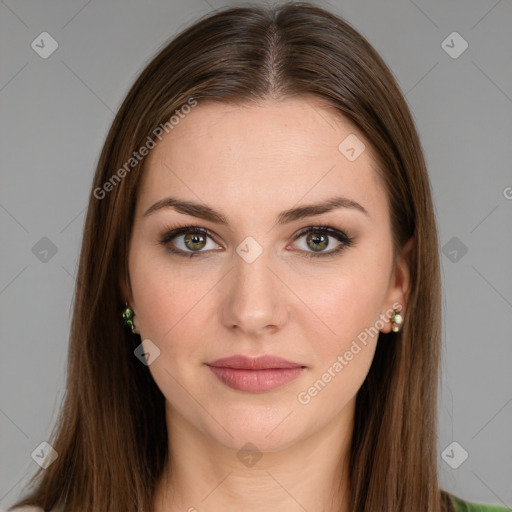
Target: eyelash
{"points": [[174, 232]]}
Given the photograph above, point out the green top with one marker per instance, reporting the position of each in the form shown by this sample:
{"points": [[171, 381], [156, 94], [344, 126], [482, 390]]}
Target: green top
{"points": [[465, 506], [459, 506]]}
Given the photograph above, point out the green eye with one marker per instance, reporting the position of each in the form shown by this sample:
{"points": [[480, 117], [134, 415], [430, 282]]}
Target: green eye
{"points": [[193, 240], [318, 240]]}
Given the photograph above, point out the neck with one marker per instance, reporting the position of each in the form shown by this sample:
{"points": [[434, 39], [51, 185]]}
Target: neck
{"points": [[309, 474]]}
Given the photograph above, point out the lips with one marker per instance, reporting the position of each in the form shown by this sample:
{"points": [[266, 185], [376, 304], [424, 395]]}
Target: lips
{"points": [[264, 362], [255, 374]]}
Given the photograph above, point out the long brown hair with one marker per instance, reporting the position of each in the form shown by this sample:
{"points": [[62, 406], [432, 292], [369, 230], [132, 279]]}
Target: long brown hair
{"points": [[111, 436]]}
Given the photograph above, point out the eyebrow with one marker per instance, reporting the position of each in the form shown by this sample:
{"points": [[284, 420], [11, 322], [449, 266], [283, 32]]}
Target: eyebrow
{"points": [[205, 212]]}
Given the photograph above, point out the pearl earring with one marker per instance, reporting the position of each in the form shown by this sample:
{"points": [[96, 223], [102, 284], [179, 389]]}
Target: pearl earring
{"points": [[396, 320]]}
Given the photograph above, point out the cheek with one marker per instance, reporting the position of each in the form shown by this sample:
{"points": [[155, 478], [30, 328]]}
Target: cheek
{"points": [[173, 307], [167, 308], [343, 356], [347, 301], [162, 295]]}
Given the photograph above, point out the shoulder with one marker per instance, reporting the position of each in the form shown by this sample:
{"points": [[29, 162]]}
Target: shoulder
{"points": [[461, 505]]}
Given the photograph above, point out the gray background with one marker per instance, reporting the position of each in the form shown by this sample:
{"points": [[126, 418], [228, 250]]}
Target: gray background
{"points": [[56, 113]]}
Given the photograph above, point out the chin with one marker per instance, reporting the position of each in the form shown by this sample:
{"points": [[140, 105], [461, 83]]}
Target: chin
{"points": [[268, 429]]}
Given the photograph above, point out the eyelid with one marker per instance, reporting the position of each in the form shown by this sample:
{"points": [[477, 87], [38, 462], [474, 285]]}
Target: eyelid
{"points": [[323, 228], [173, 231]]}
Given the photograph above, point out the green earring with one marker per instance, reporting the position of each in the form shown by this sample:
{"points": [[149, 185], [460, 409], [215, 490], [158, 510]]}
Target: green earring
{"points": [[128, 318]]}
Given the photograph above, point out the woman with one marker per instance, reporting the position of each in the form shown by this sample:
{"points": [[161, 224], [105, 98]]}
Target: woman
{"points": [[261, 218]]}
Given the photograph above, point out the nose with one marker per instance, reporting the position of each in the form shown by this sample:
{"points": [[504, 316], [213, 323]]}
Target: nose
{"points": [[254, 298]]}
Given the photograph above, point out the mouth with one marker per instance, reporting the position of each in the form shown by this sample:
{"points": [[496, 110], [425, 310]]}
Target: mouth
{"points": [[255, 374]]}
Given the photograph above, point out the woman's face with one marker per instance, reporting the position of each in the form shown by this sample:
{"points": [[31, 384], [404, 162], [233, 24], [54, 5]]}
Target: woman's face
{"points": [[259, 283]]}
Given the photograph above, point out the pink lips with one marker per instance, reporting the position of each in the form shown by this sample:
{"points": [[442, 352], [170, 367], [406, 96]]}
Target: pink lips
{"points": [[255, 374]]}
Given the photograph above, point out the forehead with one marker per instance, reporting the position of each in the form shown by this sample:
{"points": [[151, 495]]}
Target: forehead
{"points": [[259, 153]]}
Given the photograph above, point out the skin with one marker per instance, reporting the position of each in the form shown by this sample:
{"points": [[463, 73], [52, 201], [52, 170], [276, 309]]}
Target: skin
{"points": [[251, 162]]}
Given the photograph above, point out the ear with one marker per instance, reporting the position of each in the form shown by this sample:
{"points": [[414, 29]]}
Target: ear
{"points": [[400, 281]]}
